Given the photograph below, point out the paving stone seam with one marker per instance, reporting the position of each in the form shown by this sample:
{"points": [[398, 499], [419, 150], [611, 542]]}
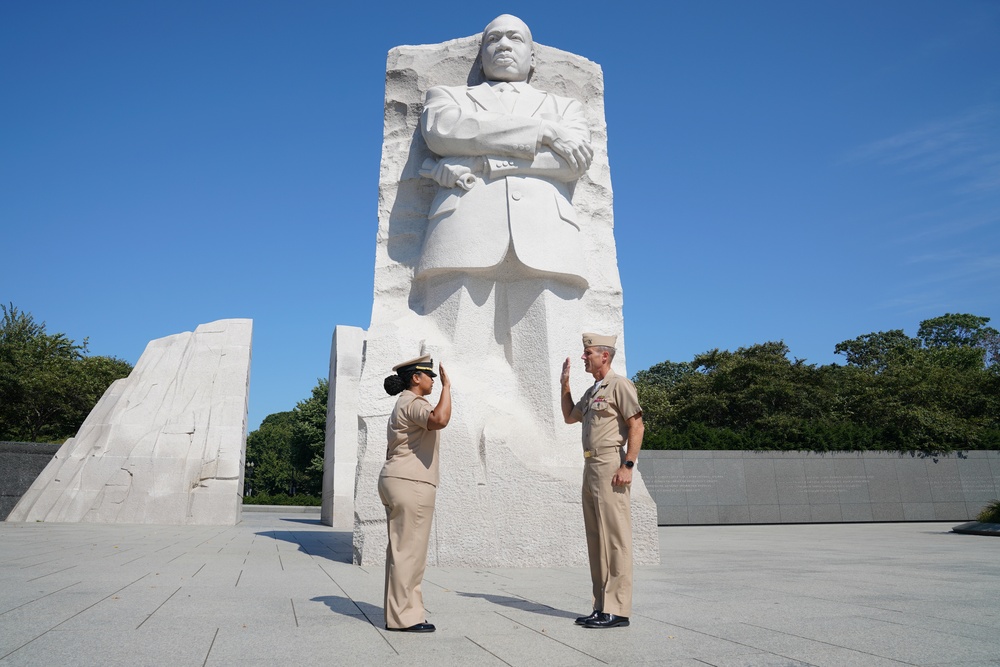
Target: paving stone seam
{"points": [[483, 648], [347, 596], [729, 640], [51, 573], [820, 641], [986, 628], [39, 598], [210, 647], [66, 620], [549, 637], [158, 607]]}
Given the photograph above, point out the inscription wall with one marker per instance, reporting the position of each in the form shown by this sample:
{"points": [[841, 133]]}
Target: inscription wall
{"points": [[719, 487], [20, 464]]}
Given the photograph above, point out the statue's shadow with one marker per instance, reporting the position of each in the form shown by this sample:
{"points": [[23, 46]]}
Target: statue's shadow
{"points": [[333, 545]]}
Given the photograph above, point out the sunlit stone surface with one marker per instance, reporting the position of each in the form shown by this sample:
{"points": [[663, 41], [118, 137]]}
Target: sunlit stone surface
{"points": [[165, 445], [501, 320]]}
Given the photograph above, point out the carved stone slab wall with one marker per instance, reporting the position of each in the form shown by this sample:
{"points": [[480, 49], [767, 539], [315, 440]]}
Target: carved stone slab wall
{"points": [[340, 455], [166, 445], [719, 487]]}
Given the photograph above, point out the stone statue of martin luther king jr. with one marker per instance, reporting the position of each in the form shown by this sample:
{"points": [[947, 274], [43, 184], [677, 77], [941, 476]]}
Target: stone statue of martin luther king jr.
{"points": [[509, 155]]}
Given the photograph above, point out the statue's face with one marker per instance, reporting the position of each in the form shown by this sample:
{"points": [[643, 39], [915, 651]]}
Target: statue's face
{"points": [[507, 51]]}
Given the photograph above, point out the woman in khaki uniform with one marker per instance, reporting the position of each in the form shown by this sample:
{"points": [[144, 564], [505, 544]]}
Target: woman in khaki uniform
{"points": [[408, 487]]}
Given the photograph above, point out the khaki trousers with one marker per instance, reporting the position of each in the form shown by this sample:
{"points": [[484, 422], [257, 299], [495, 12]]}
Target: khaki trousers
{"points": [[607, 519], [409, 508]]}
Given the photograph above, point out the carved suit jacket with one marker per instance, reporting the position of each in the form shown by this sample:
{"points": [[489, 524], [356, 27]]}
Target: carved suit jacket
{"points": [[522, 194]]}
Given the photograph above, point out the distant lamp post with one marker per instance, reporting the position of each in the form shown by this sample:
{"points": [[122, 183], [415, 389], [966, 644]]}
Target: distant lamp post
{"points": [[249, 479]]}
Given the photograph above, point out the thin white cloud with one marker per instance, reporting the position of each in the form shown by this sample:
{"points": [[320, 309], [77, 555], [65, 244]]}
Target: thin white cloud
{"points": [[963, 151], [942, 278], [949, 221], [951, 266], [936, 258], [915, 303]]}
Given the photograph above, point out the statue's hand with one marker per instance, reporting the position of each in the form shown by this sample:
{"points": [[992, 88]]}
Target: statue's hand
{"points": [[451, 172], [577, 153]]}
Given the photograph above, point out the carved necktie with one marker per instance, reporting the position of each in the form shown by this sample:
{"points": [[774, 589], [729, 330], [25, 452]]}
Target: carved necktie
{"points": [[507, 94]]}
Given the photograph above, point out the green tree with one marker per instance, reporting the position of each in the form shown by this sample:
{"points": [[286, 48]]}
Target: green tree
{"points": [[656, 409], [285, 455], [931, 394], [756, 391], [875, 351], [269, 461], [48, 384], [665, 374], [754, 397], [309, 439], [961, 331], [929, 400]]}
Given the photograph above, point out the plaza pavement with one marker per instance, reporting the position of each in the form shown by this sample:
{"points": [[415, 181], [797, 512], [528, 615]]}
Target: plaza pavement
{"points": [[279, 589]]}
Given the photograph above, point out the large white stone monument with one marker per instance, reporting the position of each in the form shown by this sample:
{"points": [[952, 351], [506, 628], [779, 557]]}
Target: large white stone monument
{"points": [[495, 251], [166, 445]]}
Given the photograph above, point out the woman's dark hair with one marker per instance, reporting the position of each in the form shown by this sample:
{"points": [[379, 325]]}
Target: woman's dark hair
{"points": [[395, 384]]}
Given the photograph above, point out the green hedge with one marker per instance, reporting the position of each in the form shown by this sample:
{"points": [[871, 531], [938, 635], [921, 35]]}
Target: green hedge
{"points": [[990, 513], [282, 499]]}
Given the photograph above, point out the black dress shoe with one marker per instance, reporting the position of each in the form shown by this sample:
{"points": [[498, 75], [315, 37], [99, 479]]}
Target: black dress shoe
{"points": [[607, 621], [419, 627], [593, 615]]}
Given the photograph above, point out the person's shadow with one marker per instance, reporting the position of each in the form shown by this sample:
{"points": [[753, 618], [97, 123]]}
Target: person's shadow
{"points": [[522, 604], [349, 607]]}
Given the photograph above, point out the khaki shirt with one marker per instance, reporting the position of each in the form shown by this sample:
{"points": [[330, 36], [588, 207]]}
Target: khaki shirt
{"points": [[412, 452], [604, 410]]}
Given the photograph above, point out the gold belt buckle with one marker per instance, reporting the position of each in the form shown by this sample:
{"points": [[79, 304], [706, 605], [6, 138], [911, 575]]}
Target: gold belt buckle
{"points": [[587, 454]]}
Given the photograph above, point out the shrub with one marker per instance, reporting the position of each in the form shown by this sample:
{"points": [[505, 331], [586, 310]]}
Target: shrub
{"points": [[990, 513], [282, 499]]}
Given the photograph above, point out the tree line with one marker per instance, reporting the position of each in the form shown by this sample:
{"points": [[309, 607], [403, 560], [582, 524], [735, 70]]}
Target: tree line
{"points": [[284, 461], [933, 393], [48, 382]]}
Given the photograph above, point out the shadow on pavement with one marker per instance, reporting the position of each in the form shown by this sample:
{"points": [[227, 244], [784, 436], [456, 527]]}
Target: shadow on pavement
{"points": [[311, 522], [349, 607], [522, 604], [335, 546]]}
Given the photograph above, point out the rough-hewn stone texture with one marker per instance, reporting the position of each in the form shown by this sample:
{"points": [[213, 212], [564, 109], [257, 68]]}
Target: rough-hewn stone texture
{"points": [[510, 492], [340, 459], [165, 445]]}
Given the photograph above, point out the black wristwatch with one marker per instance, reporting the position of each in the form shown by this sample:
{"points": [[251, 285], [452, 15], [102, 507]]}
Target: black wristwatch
{"points": [[630, 464]]}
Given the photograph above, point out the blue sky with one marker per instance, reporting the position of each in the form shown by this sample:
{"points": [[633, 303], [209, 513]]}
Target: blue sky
{"points": [[782, 170]]}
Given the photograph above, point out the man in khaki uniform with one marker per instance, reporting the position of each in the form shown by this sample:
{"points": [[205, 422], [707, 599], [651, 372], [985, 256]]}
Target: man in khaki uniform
{"points": [[612, 437]]}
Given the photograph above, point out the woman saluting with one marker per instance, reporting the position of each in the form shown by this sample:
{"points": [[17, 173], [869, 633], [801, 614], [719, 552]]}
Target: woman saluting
{"points": [[408, 486]]}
